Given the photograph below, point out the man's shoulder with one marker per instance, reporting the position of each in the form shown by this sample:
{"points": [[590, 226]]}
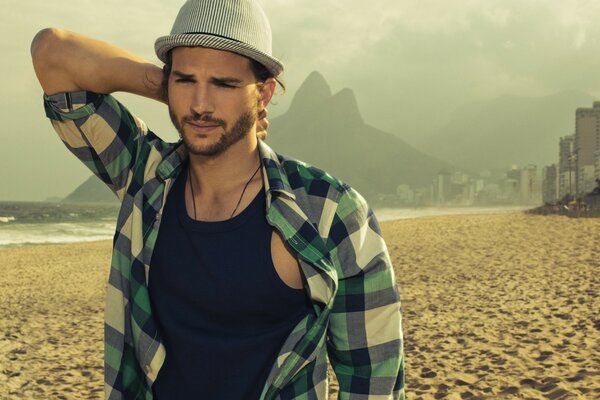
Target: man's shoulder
{"points": [[308, 181], [302, 175], [316, 191]]}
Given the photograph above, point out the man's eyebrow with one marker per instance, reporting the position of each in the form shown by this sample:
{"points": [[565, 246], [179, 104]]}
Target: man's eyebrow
{"points": [[181, 75], [225, 80]]}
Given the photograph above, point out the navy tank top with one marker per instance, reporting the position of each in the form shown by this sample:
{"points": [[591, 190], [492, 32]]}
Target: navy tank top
{"points": [[222, 309]]}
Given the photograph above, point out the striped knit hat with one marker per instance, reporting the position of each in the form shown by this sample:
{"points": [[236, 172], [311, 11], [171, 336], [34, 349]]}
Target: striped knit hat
{"points": [[239, 26]]}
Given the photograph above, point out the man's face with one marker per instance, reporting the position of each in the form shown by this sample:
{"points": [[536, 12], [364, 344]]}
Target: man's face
{"points": [[213, 99]]}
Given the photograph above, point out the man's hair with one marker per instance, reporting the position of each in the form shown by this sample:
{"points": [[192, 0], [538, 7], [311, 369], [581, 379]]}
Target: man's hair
{"points": [[261, 73]]}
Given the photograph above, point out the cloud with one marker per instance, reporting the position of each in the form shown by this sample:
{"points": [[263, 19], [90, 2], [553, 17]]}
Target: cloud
{"points": [[427, 41], [410, 62]]}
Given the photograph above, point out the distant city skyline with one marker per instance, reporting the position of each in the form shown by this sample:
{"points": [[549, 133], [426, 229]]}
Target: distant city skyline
{"points": [[411, 64]]}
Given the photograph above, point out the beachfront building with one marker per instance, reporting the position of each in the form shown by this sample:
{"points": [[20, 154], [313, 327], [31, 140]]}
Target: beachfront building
{"points": [[441, 187], [550, 184], [512, 185], [463, 193], [510, 191], [587, 142], [478, 185], [424, 196], [530, 185], [515, 186], [587, 179], [454, 188], [566, 166], [490, 194], [406, 196], [597, 164]]}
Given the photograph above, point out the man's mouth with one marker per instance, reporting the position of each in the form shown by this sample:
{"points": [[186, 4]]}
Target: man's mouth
{"points": [[202, 126]]}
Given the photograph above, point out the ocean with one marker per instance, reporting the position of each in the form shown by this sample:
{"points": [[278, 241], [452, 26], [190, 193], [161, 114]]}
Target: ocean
{"points": [[390, 214], [46, 223]]}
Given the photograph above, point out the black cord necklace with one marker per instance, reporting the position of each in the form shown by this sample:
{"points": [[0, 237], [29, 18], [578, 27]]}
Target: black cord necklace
{"points": [[241, 195]]}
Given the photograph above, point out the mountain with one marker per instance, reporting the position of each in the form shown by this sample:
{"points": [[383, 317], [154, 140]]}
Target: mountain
{"points": [[327, 130], [93, 190], [506, 130]]}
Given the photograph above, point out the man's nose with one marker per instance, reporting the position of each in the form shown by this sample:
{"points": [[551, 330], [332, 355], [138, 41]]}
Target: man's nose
{"points": [[202, 100]]}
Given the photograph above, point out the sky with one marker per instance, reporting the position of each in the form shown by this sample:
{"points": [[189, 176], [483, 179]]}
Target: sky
{"points": [[410, 62]]}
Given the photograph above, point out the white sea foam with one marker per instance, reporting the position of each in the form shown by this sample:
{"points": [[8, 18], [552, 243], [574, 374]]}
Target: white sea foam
{"points": [[389, 214], [22, 234], [18, 234]]}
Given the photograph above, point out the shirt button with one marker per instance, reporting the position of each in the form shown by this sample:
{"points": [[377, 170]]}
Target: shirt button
{"points": [[148, 368]]}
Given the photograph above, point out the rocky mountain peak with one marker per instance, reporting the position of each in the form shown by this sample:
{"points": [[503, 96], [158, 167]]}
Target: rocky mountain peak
{"points": [[313, 91]]}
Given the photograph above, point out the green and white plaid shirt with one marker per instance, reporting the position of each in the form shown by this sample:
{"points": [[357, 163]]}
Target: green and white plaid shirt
{"points": [[344, 261]]}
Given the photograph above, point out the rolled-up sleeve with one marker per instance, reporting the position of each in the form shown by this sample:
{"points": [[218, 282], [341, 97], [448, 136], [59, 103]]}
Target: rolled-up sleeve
{"points": [[365, 344], [100, 132]]}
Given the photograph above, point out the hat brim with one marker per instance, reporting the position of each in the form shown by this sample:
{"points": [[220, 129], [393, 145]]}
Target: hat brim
{"points": [[165, 43]]}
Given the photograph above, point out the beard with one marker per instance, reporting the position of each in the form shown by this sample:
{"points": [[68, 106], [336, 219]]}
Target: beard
{"points": [[238, 131]]}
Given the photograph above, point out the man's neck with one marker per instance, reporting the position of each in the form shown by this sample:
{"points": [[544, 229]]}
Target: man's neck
{"points": [[218, 182]]}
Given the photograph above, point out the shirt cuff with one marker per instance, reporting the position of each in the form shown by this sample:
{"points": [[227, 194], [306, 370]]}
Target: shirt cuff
{"points": [[72, 105]]}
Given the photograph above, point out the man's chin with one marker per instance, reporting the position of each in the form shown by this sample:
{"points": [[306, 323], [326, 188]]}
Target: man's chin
{"points": [[207, 150]]}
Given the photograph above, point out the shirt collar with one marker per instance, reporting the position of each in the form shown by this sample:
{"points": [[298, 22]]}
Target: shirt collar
{"points": [[172, 162], [274, 174]]}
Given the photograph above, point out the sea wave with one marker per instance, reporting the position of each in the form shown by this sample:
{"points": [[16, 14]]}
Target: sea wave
{"points": [[19, 234], [24, 234], [390, 214]]}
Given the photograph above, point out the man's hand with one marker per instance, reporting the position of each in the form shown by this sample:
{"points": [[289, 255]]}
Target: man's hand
{"points": [[263, 125]]}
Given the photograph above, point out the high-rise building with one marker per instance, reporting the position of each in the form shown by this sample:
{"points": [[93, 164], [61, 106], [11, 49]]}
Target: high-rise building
{"points": [[587, 142], [512, 185], [442, 187], [530, 185], [406, 196], [566, 166], [597, 164], [549, 184]]}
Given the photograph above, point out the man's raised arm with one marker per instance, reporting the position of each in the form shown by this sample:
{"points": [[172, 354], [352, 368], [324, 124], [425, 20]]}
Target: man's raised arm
{"points": [[66, 62], [78, 73]]}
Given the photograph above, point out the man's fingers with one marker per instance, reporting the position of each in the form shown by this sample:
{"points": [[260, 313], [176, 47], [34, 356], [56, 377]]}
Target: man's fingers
{"points": [[263, 124], [263, 114]]}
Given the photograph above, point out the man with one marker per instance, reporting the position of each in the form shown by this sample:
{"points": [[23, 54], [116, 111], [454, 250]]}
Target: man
{"points": [[235, 271]]}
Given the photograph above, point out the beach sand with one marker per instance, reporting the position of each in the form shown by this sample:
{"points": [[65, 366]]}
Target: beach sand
{"points": [[495, 306]]}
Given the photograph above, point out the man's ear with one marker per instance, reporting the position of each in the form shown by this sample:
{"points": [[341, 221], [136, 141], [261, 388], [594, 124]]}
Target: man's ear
{"points": [[266, 90]]}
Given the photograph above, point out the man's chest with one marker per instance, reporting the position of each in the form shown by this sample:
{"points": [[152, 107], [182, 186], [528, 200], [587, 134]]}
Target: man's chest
{"points": [[229, 268]]}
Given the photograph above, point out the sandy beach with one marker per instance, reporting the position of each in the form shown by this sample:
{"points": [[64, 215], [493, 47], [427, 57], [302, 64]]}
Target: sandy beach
{"points": [[495, 306]]}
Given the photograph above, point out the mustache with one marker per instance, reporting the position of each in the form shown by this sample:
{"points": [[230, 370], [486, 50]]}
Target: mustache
{"points": [[203, 118]]}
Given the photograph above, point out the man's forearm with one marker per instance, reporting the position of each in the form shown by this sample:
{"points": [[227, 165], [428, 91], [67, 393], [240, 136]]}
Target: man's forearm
{"points": [[66, 61]]}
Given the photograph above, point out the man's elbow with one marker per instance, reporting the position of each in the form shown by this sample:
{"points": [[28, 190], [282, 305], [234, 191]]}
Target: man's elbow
{"points": [[46, 56], [42, 43]]}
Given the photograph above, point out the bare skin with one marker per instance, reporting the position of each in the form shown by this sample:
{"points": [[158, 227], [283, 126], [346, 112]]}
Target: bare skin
{"points": [[222, 85], [65, 61], [92, 65]]}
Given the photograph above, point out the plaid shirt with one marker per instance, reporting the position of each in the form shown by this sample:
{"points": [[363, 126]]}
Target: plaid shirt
{"points": [[348, 274]]}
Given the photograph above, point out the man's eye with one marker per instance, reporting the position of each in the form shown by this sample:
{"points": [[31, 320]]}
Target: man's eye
{"points": [[225, 85], [183, 80]]}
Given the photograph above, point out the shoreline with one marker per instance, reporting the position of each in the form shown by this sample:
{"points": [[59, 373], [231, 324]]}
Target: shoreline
{"points": [[22, 245], [107, 232], [396, 214]]}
